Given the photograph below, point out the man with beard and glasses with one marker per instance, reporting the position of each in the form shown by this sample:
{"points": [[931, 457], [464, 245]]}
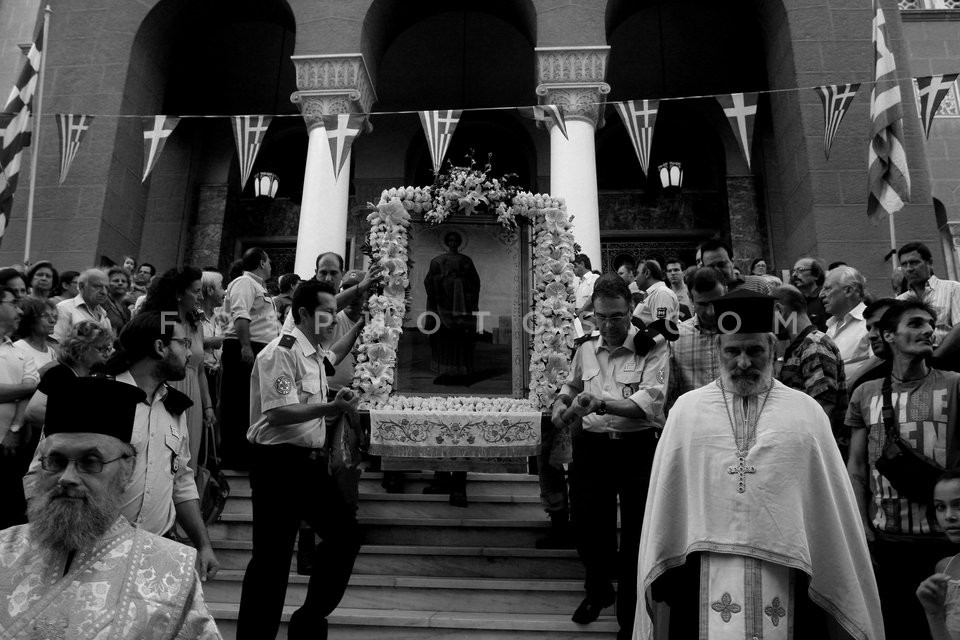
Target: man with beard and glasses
{"points": [[79, 569], [905, 537], [161, 491], [751, 527]]}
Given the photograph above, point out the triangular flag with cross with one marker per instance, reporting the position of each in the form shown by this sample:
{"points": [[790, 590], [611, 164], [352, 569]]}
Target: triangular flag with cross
{"points": [[741, 111], [836, 100], [156, 131], [932, 90], [438, 126], [640, 118], [248, 132], [546, 114], [342, 130], [72, 128]]}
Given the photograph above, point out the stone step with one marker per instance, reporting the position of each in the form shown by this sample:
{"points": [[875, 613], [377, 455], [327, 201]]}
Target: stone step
{"points": [[372, 624], [435, 561], [387, 505], [457, 532], [419, 593], [478, 484]]}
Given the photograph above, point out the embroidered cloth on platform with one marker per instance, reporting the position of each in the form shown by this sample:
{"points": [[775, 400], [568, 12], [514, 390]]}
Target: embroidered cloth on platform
{"points": [[407, 434]]}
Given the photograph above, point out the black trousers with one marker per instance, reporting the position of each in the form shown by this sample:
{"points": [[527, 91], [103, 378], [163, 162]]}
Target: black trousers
{"points": [[602, 470], [901, 563], [291, 484], [235, 412]]}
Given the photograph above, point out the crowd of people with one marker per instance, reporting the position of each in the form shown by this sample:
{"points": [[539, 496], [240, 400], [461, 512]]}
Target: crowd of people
{"points": [[741, 425]]}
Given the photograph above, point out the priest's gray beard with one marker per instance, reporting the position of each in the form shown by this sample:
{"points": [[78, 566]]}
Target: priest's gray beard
{"points": [[747, 382], [64, 520]]}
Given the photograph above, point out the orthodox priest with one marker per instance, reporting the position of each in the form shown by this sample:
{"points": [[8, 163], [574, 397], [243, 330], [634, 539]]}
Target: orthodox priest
{"points": [[751, 528], [79, 570]]}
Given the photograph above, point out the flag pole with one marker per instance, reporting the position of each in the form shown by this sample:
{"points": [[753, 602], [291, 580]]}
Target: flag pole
{"points": [[35, 142], [893, 245]]}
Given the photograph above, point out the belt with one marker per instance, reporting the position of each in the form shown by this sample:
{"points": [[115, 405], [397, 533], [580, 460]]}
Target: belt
{"points": [[644, 434]]}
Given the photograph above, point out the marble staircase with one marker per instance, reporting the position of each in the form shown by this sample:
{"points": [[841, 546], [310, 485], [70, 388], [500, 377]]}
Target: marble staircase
{"points": [[429, 570]]}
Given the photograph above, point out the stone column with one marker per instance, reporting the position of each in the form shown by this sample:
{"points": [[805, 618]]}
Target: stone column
{"points": [[328, 85], [952, 250], [747, 224], [206, 234], [573, 78]]}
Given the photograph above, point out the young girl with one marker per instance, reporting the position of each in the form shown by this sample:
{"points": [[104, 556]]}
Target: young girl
{"points": [[940, 593]]}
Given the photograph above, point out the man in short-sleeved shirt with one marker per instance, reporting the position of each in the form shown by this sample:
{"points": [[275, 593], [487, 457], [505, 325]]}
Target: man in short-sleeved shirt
{"points": [[660, 302], [905, 535], [619, 397], [942, 295], [253, 324], [290, 478], [88, 305]]}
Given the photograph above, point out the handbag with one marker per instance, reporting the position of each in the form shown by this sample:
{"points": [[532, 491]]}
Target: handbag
{"points": [[911, 473], [211, 482]]}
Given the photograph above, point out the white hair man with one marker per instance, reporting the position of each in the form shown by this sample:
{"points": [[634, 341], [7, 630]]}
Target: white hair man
{"points": [[79, 568], [842, 296], [88, 305], [732, 543]]}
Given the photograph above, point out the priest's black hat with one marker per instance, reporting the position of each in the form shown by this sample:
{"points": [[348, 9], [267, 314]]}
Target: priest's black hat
{"points": [[744, 311], [67, 405]]}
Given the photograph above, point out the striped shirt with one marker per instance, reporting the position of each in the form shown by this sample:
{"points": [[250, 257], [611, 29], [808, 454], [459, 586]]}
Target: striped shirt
{"points": [[693, 359], [813, 364], [944, 297]]}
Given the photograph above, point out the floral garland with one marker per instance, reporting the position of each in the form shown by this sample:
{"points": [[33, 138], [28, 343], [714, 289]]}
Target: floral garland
{"points": [[466, 189], [553, 312]]}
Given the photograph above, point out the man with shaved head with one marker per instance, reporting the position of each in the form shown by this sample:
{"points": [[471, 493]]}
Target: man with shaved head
{"points": [[842, 296], [88, 305], [812, 362]]}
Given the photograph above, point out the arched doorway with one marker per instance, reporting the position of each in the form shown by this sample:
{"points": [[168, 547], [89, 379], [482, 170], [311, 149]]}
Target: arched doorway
{"points": [[220, 58], [681, 49]]}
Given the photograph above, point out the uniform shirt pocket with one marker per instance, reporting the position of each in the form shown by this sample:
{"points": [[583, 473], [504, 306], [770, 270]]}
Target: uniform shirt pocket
{"points": [[310, 388]]}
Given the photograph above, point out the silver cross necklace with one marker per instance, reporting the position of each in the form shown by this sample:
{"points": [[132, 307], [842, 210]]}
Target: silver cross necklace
{"points": [[744, 437]]}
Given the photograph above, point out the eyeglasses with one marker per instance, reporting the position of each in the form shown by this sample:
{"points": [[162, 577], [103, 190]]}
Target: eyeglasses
{"points": [[186, 342], [801, 270], [56, 463], [609, 319]]}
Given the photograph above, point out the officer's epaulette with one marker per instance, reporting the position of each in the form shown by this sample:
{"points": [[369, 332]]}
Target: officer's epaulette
{"points": [[288, 340], [586, 338], [176, 402]]}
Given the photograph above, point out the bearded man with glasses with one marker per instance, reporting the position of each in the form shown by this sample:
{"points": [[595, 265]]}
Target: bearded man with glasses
{"points": [[79, 569], [161, 490]]}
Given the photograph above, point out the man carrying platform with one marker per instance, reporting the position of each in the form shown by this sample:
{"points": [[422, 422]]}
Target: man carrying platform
{"points": [[751, 527]]}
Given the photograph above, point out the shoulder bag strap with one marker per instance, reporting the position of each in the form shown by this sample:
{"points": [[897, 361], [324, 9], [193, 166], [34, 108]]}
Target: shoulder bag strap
{"points": [[891, 429]]}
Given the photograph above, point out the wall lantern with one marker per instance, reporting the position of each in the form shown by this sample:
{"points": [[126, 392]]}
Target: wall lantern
{"points": [[265, 184], [671, 175]]}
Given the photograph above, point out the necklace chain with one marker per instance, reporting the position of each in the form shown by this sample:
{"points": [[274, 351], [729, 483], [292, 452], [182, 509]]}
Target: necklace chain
{"points": [[743, 442]]}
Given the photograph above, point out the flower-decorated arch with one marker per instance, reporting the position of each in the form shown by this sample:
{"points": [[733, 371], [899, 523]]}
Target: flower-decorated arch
{"points": [[550, 322]]}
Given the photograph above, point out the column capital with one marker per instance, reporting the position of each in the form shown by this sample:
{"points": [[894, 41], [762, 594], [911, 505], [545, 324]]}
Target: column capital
{"points": [[574, 78], [332, 84]]}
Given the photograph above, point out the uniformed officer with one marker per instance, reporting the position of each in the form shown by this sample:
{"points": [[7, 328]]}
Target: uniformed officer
{"points": [[618, 394], [289, 475], [253, 324]]}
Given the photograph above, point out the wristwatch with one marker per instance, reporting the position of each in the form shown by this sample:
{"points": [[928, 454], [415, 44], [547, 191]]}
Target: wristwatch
{"points": [[15, 428], [602, 409]]}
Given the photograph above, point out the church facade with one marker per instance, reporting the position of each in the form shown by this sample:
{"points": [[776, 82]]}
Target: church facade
{"points": [[300, 59]]}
